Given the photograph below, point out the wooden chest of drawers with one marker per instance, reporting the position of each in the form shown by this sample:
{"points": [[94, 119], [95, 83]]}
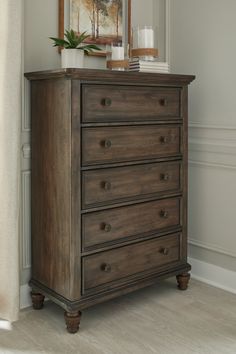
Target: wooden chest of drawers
{"points": [[109, 185]]}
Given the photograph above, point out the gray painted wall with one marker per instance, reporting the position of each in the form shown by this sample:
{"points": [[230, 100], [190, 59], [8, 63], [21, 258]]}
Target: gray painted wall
{"points": [[203, 43]]}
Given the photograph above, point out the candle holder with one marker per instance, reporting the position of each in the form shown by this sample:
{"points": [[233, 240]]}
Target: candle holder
{"points": [[119, 65], [116, 57], [143, 43]]}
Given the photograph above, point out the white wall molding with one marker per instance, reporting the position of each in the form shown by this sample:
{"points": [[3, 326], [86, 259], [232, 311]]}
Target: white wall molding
{"points": [[211, 126], [202, 155], [213, 133], [26, 150], [211, 247], [25, 124], [25, 299], [213, 275], [203, 164], [26, 225], [212, 145]]}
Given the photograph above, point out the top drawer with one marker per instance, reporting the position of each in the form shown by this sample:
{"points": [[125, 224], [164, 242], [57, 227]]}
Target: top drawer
{"points": [[102, 103]]}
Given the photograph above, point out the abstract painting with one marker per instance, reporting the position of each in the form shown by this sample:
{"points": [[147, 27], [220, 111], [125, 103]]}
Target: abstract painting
{"points": [[101, 19]]}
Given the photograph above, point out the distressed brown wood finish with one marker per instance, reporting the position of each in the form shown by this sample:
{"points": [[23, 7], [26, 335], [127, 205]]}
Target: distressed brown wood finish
{"points": [[111, 77], [118, 144], [105, 103], [121, 224], [50, 182], [109, 185], [37, 300], [114, 265]]}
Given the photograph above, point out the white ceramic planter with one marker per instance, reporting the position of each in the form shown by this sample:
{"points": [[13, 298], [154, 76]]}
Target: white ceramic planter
{"points": [[72, 58]]}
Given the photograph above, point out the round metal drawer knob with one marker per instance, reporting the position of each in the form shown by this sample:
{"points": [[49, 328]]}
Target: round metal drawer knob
{"points": [[165, 177], [105, 267], [164, 139], [164, 214], [107, 186], [106, 227], [106, 102], [165, 251], [107, 144], [164, 102]]}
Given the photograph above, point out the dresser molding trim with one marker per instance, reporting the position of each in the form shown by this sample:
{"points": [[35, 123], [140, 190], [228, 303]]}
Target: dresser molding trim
{"points": [[107, 77], [213, 275], [104, 296], [207, 273]]}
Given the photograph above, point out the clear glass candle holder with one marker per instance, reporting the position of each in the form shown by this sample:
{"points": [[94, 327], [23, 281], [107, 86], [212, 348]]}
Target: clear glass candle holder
{"points": [[144, 42], [143, 37], [116, 55]]}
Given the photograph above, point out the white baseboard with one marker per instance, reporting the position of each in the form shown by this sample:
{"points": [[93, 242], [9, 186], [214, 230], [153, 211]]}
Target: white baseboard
{"points": [[213, 275], [25, 299]]}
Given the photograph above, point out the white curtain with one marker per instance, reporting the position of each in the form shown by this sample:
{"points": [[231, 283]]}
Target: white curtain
{"points": [[10, 116]]}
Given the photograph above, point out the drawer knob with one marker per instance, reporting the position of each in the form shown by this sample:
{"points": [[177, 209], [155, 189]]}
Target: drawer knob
{"points": [[164, 102], [164, 214], [107, 143], [165, 177], [105, 267], [107, 186], [106, 227], [106, 102], [164, 251], [164, 139]]}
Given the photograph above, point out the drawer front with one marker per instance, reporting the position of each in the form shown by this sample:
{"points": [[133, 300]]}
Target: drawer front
{"points": [[121, 223], [103, 103], [114, 265], [118, 184], [117, 144]]}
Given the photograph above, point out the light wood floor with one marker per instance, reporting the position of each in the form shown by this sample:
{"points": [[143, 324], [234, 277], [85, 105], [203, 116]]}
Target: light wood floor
{"points": [[159, 319]]}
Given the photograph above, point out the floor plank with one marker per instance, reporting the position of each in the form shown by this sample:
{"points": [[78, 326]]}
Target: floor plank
{"points": [[159, 319]]}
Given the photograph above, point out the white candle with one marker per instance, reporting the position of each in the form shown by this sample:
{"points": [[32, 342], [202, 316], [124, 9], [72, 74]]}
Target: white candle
{"points": [[117, 53], [146, 38]]}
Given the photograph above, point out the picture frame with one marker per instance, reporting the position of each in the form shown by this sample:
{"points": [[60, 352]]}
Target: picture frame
{"points": [[126, 23]]}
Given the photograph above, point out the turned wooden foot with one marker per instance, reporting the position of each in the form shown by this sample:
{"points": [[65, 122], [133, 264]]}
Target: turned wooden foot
{"points": [[72, 320], [37, 300], [183, 280]]}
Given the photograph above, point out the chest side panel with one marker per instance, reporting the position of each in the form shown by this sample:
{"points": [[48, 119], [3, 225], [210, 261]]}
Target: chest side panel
{"points": [[50, 183]]}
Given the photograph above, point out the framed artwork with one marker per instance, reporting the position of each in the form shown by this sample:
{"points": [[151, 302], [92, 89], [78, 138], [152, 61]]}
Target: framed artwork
{"points": [[105, 21]]}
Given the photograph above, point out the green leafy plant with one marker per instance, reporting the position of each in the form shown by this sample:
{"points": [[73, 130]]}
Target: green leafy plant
{"points": [[74, 41]]}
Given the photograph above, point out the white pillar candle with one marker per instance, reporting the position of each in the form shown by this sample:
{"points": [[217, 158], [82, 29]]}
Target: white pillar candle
{"points": [[146, 38], [117, 53]]}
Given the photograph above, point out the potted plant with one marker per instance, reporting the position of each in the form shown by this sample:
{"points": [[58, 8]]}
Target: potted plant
{"points": [[73, 49]]}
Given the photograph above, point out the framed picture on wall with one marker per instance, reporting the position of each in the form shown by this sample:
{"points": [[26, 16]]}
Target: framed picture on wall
{"points": [[105, 21]]}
